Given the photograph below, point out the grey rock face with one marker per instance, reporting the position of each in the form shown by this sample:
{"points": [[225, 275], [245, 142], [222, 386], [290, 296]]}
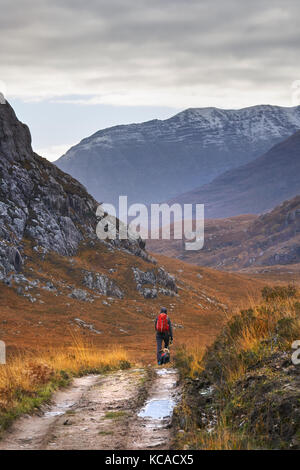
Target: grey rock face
{"points": [[157, 160], [161, 281], [102, 284], [149, 293], [10, 260], [37, 200], [41, 203], [80, 294], [142, 277], [166, 280], [15, 138]]}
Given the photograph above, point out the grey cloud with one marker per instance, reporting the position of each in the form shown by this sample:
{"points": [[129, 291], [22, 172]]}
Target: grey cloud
{"points": [[149, 44]]}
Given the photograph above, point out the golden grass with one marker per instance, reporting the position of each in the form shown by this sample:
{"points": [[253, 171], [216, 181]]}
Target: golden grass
{"points": [[279, 318], [83, 355], [222, 438], [264, 322], [189, 360], [29, 379], [197, 353]]}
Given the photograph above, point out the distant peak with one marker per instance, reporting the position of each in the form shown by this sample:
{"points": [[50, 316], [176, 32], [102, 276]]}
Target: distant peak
{"points": [[198, 111], [211, 109]]}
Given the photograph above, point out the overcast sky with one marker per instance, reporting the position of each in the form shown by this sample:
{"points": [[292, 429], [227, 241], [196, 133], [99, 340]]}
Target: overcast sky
{"points": [[70, 67]]}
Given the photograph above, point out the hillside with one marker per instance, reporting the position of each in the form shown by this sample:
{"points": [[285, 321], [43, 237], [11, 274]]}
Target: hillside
{"points": [[244, 241], [157, 160], [253, 188], [57, 278], [243, 392]]}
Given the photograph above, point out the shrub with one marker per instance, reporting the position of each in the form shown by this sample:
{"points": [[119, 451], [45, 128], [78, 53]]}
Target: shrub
{"points": [[278, 292], [287, 328]]}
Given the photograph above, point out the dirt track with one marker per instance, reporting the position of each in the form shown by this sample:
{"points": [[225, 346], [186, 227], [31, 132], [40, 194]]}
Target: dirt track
{"points": [[103, 412]]}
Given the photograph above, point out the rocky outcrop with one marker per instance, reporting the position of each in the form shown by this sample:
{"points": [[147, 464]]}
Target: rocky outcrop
{"points": [[102, 284], [89, 326], [151, 283], [10, 259], [37, 200], [80, 294], [40, 203]]}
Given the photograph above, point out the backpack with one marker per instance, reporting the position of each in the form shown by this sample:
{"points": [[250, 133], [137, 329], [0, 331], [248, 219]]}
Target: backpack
{"points": [[162, 325]]}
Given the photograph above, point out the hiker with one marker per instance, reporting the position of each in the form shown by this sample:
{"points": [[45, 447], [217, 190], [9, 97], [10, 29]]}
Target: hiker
{"points": [[164, 332]]}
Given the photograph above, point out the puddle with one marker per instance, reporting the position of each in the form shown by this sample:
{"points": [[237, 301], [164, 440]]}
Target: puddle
{"points": [[163, 401], [152, 428], [165, 371], [50, 414], [60, 410], [158, 409]]}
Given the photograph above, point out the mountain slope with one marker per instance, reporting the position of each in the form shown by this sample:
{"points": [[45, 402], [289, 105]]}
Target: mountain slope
{"points": [[57, 279], [40, 203], [244, 241], [253, 188], [156, 160]]}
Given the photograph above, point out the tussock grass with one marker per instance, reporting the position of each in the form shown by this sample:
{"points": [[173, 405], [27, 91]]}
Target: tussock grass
{"points": [[221, 438], [248, 340], [254, 334], [28, 380], [189, 360]]}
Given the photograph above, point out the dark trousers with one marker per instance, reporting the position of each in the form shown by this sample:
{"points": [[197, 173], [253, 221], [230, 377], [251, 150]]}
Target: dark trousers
{"points": [[160, 338]]}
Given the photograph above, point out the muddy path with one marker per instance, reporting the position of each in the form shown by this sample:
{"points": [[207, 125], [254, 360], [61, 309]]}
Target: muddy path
{"points": [[129, 409], [151, 427]]}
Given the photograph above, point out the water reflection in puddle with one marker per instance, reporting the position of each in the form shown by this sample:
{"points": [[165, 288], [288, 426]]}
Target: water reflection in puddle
{"points": [[157, 409], [165, 371], [50, 414], [60, 410]]}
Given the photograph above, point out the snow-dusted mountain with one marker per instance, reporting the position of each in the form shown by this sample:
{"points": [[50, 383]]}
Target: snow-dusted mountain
{"points": [[157, 160], [253, 188]]}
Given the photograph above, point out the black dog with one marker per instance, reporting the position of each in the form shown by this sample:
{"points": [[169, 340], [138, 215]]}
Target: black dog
{"points": [[164, 356]]}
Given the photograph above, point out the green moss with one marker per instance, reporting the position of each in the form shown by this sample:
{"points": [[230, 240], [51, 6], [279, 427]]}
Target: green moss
{"points": [[27, 404], [115, 414]]}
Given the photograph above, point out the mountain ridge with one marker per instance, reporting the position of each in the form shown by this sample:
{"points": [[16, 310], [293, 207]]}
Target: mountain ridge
{"points": [[159, 159]]}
